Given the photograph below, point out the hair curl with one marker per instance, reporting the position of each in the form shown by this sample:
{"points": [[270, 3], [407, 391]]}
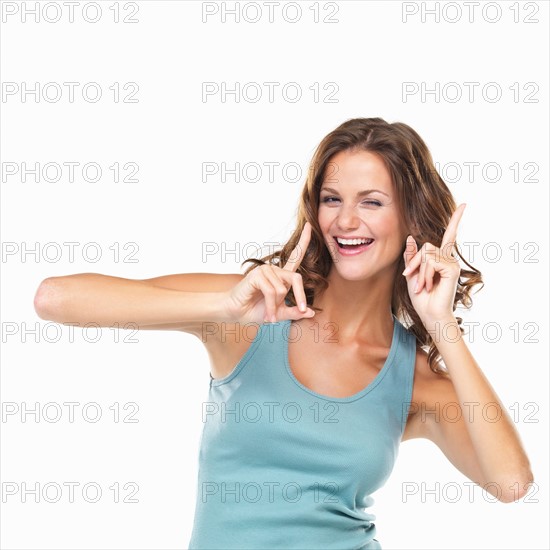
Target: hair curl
{"points": [[424, 201]]}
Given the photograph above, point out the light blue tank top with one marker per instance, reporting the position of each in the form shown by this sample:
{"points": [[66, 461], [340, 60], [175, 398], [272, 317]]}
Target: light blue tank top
{"points": [[281, 466]]}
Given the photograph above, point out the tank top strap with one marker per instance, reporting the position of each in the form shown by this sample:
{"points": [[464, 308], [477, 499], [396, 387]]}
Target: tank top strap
{"points": [[265, 351], [398, 383]]}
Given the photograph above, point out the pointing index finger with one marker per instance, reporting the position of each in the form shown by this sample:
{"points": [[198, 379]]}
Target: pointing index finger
{"points": [[299, 251], [449, 237]]}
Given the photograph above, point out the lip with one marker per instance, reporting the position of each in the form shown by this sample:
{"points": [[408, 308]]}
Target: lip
{"points": [[354, 251], [351, 237]]}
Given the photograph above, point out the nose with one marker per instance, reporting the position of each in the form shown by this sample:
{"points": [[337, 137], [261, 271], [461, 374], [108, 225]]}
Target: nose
{"points": [[347, 218]]}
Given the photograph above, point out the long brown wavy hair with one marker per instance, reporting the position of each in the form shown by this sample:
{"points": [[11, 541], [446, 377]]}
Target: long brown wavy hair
{"points": [[424, 201]]}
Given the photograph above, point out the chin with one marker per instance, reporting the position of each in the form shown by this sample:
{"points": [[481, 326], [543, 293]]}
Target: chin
{"points": [[354, 274]]}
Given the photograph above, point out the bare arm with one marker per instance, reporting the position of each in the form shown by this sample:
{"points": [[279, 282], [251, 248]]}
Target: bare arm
{"points": [[484, 446], [171, 302], [192, 282]]}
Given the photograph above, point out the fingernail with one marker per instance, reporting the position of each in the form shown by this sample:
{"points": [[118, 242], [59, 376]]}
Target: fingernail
{"points": [[273, 319], [407, 269], [302, 306], [416, 287]]}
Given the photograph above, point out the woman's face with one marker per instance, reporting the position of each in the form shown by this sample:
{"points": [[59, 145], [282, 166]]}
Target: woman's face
{"points": [[357, 200]]}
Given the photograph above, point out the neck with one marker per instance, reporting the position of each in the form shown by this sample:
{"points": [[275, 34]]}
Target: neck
{"points": [[361, 310]]}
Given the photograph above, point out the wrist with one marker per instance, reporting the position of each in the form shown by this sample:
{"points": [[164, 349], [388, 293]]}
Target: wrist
{"points": [[203, 306], [443, 329], [225, 308]]}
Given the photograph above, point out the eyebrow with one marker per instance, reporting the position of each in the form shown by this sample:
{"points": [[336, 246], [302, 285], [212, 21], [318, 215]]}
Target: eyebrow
{"points": [[360, 194]]}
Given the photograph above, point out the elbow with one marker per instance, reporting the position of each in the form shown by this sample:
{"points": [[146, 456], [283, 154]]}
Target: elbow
{"points": [[46, 299], [516, 488]]}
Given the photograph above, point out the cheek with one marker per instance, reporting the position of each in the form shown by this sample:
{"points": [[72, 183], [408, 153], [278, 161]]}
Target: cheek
{"points": [[324, 219], [388, 224]]}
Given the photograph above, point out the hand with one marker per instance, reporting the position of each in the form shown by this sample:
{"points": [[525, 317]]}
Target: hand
{"points": [[260, 296], [432, 274]]}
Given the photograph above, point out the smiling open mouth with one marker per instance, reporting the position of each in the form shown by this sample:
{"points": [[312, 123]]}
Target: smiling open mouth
{"points": [[352, 244]]}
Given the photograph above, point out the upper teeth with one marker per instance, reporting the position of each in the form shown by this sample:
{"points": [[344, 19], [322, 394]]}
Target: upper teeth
{"points": [[353, 241]]}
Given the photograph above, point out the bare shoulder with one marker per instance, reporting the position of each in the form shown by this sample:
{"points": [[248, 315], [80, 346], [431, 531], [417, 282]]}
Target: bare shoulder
{"points": [[226, 348], [429, 390], [225, 343]]}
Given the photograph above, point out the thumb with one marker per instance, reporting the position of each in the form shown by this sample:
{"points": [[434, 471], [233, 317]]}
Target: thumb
{"points": [[293, 313]]}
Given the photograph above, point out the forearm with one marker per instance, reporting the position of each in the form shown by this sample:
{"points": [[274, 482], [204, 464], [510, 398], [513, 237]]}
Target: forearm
{"points": [[499, 451], [105, 300]]}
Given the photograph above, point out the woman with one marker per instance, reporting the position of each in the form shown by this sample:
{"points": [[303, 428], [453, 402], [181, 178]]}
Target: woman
{"points": [[318, 361]]}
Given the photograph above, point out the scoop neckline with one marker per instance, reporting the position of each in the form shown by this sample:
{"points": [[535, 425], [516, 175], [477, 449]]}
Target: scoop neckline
{"points": [[369, 387]]}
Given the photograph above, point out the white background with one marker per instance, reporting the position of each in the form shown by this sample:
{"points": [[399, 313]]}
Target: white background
{"points": [[171, 211]]}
